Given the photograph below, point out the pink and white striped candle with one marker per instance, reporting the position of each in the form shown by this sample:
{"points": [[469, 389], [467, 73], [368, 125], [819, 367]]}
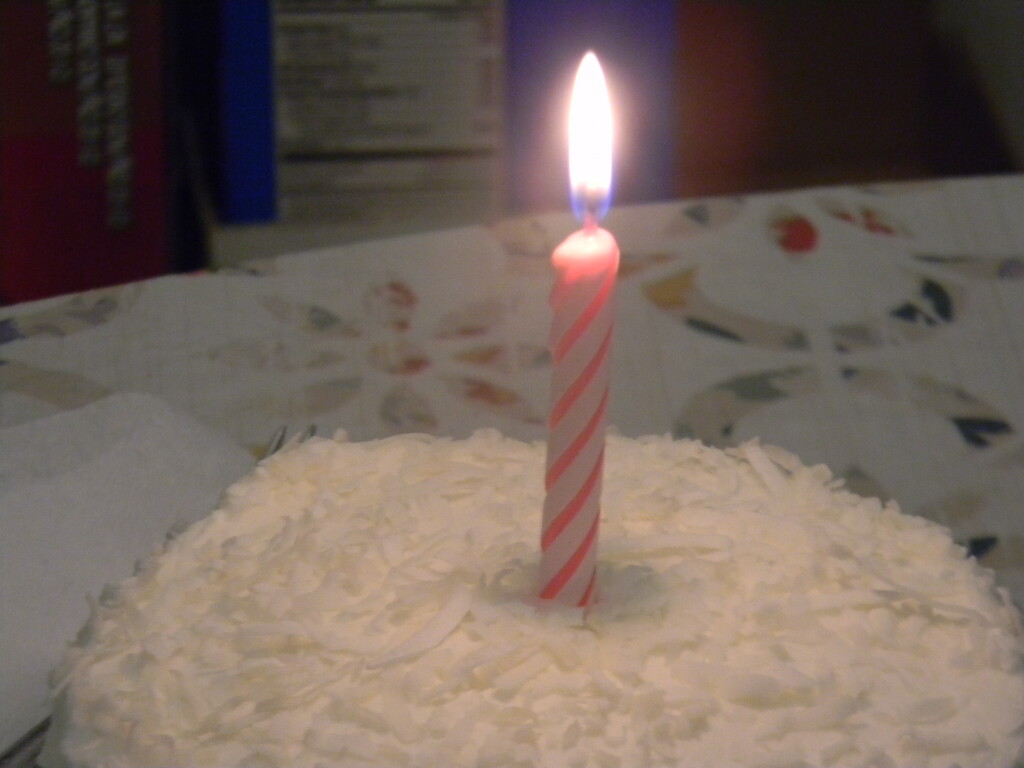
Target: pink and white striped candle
{"points": [[586, 264]]}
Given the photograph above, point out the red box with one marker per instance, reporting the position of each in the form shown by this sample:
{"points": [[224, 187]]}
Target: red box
{"points": [[83, 177]]}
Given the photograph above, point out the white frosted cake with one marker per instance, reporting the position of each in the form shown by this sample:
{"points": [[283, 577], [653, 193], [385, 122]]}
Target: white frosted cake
{"points": [[365, 604]]}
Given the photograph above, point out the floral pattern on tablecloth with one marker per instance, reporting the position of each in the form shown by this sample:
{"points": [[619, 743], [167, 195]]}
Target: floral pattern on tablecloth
{"points": [[70, 315], [711, 416], [924, 307], [388, 338], [57, 388], [878, 328], [930, 295]]}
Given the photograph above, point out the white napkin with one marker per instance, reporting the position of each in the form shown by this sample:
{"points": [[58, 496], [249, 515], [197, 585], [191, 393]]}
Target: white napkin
{"points": [[83, 496]]}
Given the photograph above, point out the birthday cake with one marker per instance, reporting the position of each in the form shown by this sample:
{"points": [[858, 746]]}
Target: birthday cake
{"points": [[359, 604]]}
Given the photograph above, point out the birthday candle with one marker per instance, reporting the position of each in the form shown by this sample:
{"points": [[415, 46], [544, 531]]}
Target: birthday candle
{"points": [[581, 333]]}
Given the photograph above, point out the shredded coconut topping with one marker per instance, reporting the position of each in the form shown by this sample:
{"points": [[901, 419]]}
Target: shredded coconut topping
{"points": [[372, 604]]}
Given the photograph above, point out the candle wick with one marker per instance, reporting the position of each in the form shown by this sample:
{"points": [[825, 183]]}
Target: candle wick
{"points": [[590, 204]]}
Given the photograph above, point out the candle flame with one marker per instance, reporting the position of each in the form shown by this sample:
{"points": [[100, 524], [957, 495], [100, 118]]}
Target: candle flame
{"points": [[590, 143]]}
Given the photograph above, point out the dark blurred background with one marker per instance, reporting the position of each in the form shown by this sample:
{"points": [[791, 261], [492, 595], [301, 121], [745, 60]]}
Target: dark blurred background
{"points": [[303, 123], [813, 93]]}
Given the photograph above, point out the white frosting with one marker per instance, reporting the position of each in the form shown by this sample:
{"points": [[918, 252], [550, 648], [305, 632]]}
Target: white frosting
{"points": [[361, 604]]}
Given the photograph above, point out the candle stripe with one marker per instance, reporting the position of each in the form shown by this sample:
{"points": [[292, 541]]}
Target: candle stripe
{"points": [[574, 391], [588, 593], [560, 579], [567, 515], [573, 450], [560, 494], [586, 318]]}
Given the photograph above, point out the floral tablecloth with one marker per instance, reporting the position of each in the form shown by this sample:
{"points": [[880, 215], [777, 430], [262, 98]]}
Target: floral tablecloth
{"points": [[877, 329]]}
